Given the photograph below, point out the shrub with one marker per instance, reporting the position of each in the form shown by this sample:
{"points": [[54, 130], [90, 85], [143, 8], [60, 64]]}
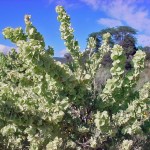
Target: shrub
{"points": [[48, 105]]}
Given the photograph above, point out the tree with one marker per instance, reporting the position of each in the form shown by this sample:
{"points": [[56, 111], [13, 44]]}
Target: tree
{"points": [[48, 105], [122, 35]]}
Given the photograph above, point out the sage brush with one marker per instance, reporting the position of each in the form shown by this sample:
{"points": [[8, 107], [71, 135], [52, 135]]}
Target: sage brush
{"points": [[46, 105]]}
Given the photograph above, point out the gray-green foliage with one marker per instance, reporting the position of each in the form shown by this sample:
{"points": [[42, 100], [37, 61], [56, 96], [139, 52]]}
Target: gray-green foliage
{"points": [[48, 105]]}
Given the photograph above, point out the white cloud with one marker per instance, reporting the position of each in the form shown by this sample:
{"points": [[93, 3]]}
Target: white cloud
{"points": [[94, 3], [50, 1], [64, 3], [110, 22], [119, 12], [130, 12], [62, 52], [143, 40], [5, 49]]}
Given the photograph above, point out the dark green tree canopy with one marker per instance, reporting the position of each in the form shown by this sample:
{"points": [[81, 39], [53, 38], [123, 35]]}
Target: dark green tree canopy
{"points": [[122, 35]]}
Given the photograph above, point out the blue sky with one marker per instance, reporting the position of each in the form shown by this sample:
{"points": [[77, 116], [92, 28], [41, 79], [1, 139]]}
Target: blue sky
{"points": [[86, 16]]}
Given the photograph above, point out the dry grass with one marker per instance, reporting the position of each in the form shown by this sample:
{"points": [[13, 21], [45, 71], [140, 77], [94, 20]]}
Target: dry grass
{"points": [[104, 73], [145, 75]]}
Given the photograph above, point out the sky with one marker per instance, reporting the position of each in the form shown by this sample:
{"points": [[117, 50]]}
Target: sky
{"points": [[87, 16]]}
